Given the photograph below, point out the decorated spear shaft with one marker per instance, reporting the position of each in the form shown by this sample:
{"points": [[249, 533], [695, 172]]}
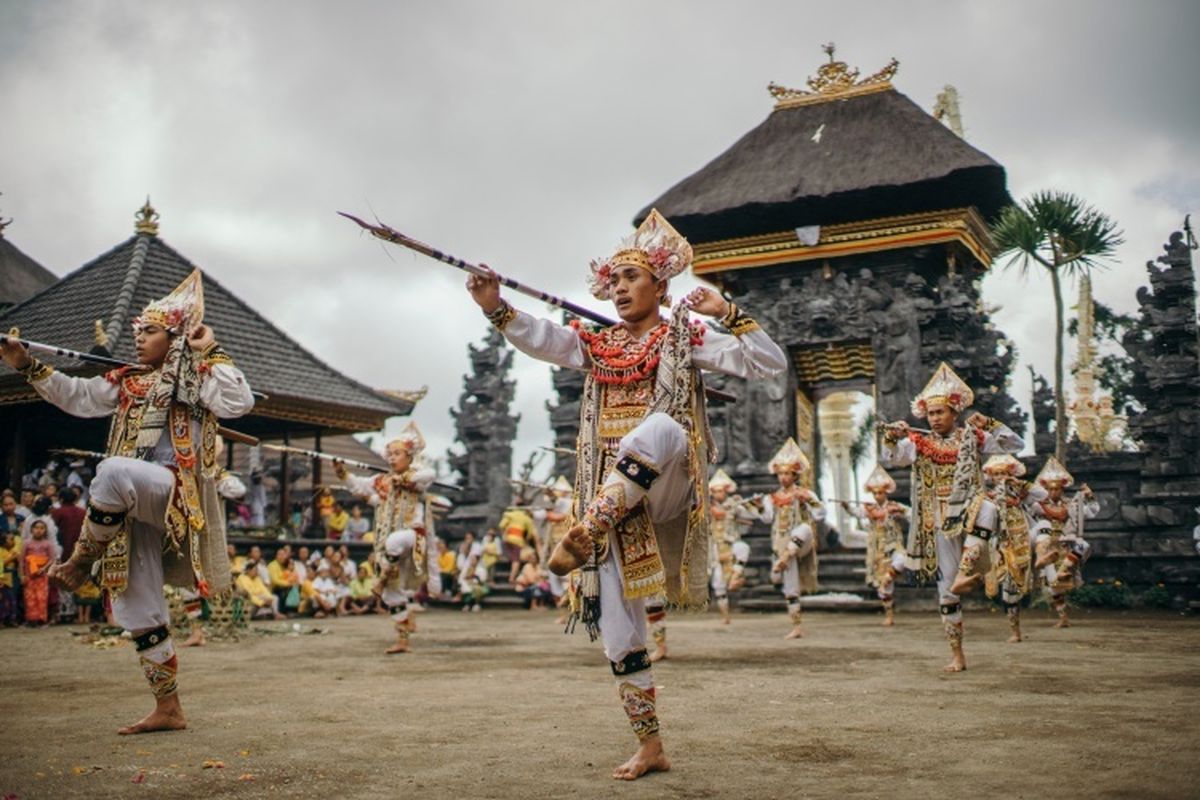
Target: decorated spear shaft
{"points": [[55, 350], [390, 234], [283, 448]]}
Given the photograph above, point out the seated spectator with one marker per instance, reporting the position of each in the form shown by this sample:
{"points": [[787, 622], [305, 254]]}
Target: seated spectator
{"points": [[325, 593], [358, 526], [263, 601], [362, 595], [284, 581], [348, 565], [529, 582], [448, 566], [336, 522]]}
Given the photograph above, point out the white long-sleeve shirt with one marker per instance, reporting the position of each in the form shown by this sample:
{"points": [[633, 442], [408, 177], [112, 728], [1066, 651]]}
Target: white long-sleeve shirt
{"points": [[751, 355]]}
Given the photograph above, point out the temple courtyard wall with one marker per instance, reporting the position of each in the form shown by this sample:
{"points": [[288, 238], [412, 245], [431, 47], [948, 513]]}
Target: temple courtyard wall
{"points": [[502, 704]]}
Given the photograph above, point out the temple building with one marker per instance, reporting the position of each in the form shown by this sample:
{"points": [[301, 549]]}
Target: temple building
{"points": [[299, 396]]}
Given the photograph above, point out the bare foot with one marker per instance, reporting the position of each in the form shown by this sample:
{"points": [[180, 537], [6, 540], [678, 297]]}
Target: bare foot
{"points": [[399, 647], [571, 552], [196, 639], [166, 716], [648, 758], [561, 620], [889, 620], [725, 620], [319, 615], [69, 575], [964, 584], [957, 664], [660, 653], [1016, 637], [1063, 623]]}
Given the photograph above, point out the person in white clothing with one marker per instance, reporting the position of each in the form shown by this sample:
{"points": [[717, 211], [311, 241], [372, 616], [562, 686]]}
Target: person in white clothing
{"points": [[643, 448], [153, 513]]}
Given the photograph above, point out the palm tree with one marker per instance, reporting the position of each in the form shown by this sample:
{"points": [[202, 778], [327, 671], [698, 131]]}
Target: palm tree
{"points": [[1062, 233]]}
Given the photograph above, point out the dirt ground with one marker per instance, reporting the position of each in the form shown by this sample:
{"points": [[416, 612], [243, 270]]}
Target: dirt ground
{"points": [[501, 704]]}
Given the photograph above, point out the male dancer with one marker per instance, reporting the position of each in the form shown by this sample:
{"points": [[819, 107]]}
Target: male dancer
{"points": [[1061, 549], [948, 502], [792, 511], [727, 515], [154, 515], [1009, 574], [403, 530], [643, 447], [885, 520]]}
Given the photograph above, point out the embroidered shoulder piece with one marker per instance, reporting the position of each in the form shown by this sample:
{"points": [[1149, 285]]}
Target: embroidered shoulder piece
{"points": [[738, 322], [211, 357], [945, 451], [503, 315], [36, 371], [617, 358]]}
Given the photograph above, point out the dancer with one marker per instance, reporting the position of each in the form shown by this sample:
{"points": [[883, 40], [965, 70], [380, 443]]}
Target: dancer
{"points": [[793, 511], [1061, 548], [403, 530], [1009, 573], [885, 520], [948, 502], [728, 515], [154, 514], [643, 447]]}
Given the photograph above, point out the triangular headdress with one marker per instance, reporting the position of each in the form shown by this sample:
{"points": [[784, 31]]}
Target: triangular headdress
{"points": [[945, 388]]}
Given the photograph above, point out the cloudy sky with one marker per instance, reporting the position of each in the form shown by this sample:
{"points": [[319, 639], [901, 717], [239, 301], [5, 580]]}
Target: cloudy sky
{"points": [[527, 134]]}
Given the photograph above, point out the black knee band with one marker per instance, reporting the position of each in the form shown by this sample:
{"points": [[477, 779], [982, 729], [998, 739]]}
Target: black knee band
{"points": [[151, 638], [640, 473], [636, 661], [398, 609], [946, 609], [789, 599], [1010, 606], [101, 517], [721, 595]]}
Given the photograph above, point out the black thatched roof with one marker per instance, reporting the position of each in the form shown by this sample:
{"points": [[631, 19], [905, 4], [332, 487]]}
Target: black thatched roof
{"points": [[114, 287], [877, 155], [20, 276]]}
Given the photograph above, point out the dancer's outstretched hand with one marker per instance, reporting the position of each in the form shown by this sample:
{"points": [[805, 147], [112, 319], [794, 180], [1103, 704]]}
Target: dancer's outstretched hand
{"points": [[485, 291], [705, 301]]}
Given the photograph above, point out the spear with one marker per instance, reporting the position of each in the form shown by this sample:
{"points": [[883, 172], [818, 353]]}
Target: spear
{"points": [[283, 448], [390, 234], [562, 451], [55, 350]]}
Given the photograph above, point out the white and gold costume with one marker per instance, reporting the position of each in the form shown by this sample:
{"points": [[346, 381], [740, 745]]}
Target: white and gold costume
{"points": [[403, 530], [1059, 543], [792, 512], [728, 517], [643, 450], [948, 503], [555, 522], [885, 525], [1011, 571], [154, 514]]}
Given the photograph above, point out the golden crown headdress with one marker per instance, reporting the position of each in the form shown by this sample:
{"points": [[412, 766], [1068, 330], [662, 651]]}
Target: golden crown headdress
{"points": [[410, 439], [945, 388], [180, 311], [721, 480], [1004, 464], [790, 458], [880, 481], [1054, 472], [655, 247]]}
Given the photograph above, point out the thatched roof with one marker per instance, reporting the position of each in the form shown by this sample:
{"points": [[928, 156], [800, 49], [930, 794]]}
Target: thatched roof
{"points": [[841, 160], [20, 276], [115, 286]]}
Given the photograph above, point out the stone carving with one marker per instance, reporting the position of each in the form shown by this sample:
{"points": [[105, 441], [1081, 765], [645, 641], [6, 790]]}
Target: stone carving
{"points": [[485, 429]]}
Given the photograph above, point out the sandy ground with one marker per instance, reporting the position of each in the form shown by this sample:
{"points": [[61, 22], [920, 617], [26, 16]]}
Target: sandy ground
{"points": [[501, 704]]}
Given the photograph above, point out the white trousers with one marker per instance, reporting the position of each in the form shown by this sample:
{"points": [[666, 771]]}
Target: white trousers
{"points": [[142, 489], [949, 553]]}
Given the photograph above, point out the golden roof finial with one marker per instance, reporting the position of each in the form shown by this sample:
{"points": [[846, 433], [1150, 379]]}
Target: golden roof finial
{"points": [[147, 219], [100, 336], [835, 80]]}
